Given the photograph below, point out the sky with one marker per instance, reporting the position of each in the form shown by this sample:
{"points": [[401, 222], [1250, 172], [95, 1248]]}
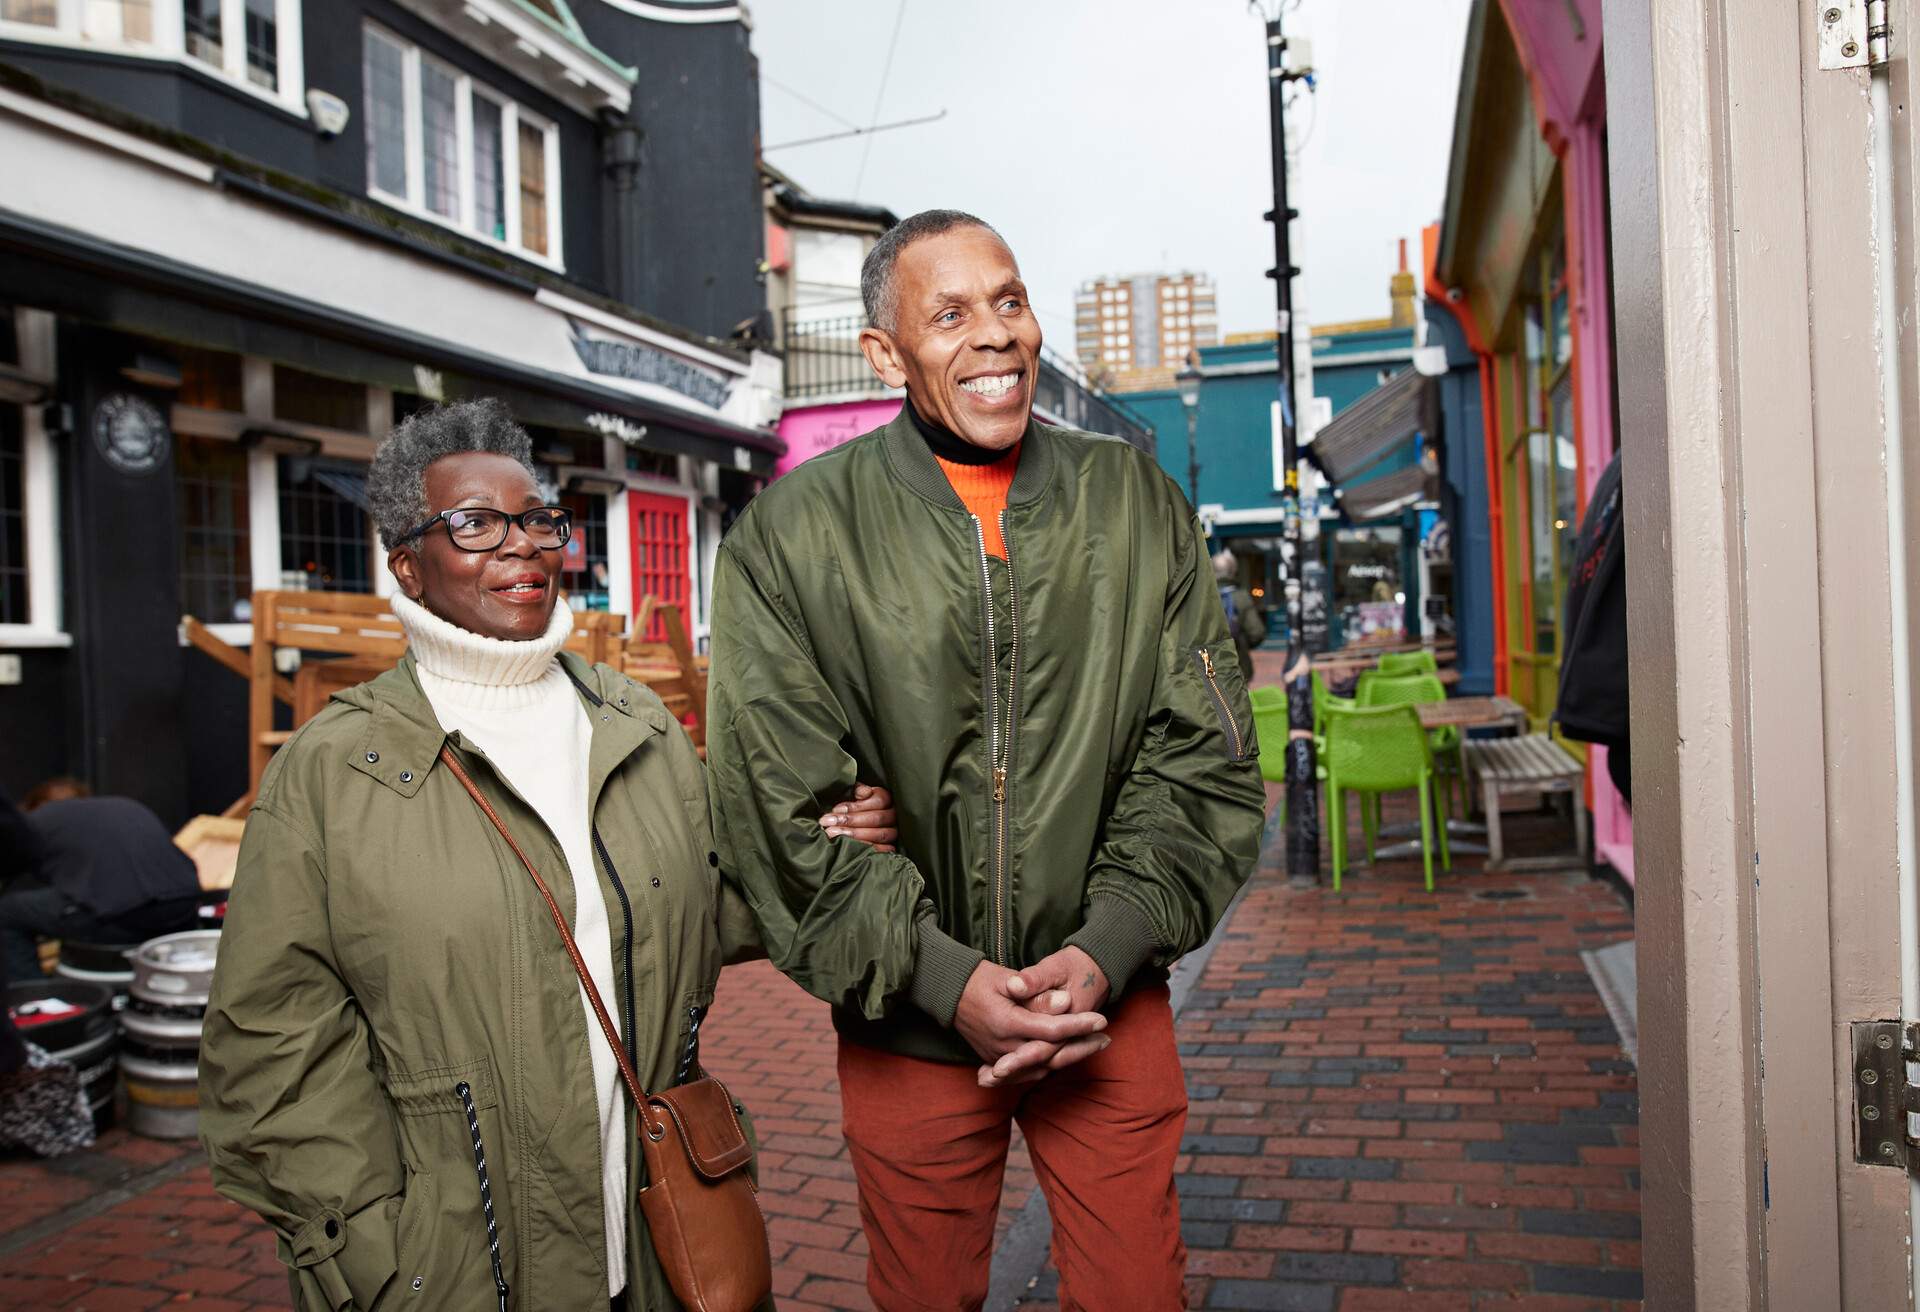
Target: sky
{"points": [[1128, 136]]}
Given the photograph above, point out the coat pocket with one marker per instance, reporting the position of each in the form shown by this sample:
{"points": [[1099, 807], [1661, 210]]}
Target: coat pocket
{"points": [[1218, 668], [452, 1228]]}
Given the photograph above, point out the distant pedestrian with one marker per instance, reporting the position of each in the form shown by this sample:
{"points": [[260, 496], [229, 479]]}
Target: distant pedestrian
{"points": [[95, 869], [1015, 628], [1245, 618]]}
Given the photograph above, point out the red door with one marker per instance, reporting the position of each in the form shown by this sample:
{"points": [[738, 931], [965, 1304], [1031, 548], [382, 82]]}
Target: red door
{"points": [[660, 556]]}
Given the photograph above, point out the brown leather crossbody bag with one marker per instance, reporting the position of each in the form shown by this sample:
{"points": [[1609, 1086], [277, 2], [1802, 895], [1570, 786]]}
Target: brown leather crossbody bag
{"points": [[706, 1224]]}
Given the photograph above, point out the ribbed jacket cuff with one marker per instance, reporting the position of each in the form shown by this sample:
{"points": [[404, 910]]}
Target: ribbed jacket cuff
{"points": [[942, 965], [1118, 938]]}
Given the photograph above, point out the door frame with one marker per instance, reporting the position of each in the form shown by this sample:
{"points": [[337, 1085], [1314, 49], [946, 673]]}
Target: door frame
{"points": [[1769, 761]]}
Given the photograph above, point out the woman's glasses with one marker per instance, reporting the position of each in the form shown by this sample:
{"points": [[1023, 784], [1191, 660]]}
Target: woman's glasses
{"points": [[481, 528]]}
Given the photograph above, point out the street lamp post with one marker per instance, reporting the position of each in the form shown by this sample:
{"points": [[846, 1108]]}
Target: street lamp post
{"points": [[1188, 380], [1303, 789]]}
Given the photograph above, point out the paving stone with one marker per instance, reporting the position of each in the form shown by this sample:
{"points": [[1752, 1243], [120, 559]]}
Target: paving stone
{"points": [[1581, 1224], [1592, 1282], [1272, 1296]]}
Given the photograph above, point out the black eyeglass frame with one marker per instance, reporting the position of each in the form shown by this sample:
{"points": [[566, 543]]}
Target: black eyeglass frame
{"points": [[563, 521]]}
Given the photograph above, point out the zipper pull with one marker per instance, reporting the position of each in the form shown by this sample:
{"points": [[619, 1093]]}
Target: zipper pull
{"points": [[999, 783], [1206, 661]]}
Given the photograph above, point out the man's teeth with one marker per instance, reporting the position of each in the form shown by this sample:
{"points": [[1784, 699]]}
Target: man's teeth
{"points": [[524, 587], [995, 385]]}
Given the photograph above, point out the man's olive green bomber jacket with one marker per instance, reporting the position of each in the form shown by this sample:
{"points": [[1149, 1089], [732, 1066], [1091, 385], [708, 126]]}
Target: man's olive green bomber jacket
{"points": [[1066, 733]]}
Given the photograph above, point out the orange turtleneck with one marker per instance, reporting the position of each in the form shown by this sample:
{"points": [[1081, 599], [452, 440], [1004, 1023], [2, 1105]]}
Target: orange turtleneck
{"points": [[982, 489]]}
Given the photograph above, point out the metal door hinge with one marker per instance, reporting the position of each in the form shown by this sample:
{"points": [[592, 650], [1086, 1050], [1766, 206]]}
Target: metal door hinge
{"points": [[1886, 1107], [1853, 33]]}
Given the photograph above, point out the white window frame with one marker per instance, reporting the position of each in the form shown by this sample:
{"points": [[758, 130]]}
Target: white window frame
{"points": [[39, 496], [512, 116], [72, 29]]}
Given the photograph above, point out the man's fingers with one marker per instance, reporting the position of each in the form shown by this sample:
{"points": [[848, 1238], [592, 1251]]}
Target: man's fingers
{"points": [[1032, 1053], [869, 833], [1054, 1002], [1048, 974], [866, 798], [1025, 1024], [1079, 1050]]}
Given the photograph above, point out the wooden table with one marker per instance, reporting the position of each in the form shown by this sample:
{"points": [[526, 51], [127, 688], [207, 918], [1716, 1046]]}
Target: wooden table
{"points": [[1473, 713]]}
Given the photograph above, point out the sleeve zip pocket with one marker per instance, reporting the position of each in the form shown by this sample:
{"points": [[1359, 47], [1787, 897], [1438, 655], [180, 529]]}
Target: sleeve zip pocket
{"points": [[1240, 744]]}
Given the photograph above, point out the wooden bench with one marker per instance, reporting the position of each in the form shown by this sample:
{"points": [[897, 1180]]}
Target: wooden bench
{"points": [[1531, 764]]}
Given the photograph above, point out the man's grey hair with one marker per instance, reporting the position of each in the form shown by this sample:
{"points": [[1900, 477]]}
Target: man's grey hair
{"points": [[397, 482], [876, 272]]}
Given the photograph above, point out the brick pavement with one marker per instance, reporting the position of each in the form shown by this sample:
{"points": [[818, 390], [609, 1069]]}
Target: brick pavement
{"points": [[1399, 1101]]}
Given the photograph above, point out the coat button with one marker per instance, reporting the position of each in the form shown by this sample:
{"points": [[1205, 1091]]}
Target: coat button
{"points": [[406, 776], [656, 881], [418, 1281], [713, 859], [372, 757], [333, 1229]]}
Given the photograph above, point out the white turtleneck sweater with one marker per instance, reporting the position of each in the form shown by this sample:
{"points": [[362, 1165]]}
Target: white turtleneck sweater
{"points": [[514, 702]]}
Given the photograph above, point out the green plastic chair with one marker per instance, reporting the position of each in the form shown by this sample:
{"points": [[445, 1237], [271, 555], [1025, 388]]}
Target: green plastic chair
{"points": [[1396, 663], [1323, 699], [1270, 727], [1411, 689], [1376, 750]]}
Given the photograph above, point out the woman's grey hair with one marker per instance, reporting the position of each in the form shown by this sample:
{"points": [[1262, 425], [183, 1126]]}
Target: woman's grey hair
{"points": [[397, 482], [876, 271]]}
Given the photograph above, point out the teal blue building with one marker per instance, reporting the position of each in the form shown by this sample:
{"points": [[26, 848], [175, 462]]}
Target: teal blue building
{"points": [[1237, 445]]}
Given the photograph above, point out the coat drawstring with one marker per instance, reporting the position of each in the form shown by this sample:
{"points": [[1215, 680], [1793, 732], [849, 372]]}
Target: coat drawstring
{"points": [[486, 1190]]}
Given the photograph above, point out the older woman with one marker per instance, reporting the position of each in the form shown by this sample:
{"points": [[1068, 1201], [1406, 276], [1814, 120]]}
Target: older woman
{"points": [[399, 1070]]}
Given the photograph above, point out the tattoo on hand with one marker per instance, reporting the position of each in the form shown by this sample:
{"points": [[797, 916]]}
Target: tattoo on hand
{"points": [[1087, 983]]}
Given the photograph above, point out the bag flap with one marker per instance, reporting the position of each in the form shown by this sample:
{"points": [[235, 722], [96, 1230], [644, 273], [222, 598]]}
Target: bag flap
{"points": [[708, 1126]]}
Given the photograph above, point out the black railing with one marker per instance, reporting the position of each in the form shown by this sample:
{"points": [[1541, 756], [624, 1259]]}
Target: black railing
{"points": [[823, 360]]}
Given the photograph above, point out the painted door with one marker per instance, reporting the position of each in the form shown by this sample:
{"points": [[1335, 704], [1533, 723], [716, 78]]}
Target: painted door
{"points": [[660, 555]]}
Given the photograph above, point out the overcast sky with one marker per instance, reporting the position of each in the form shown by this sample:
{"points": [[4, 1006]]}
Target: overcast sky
{"points": [[1124, 136]]}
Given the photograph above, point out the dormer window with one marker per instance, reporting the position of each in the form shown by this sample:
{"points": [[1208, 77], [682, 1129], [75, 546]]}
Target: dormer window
{"points": [[447, 147]]}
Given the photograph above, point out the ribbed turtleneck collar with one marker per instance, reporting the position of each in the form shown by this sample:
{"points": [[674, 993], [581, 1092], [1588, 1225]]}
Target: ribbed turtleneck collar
{"points": [[479, 670], [949, 445]]}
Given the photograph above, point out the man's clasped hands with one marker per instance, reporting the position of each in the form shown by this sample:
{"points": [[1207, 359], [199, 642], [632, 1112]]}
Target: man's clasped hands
{"points": [[1027, 1024]]}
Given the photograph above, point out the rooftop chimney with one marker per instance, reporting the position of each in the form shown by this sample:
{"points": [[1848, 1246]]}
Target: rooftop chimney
{"points": [[1402, 290]]}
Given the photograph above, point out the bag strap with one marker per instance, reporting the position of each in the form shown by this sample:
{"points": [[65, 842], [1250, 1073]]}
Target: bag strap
{"points": [[627, 1074]]}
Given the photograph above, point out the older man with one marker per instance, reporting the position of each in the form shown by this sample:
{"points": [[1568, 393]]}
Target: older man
{"points": [[1015, 627]]}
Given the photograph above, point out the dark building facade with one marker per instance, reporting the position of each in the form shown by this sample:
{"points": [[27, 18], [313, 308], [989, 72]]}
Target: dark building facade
{"points": [[238, 243]]}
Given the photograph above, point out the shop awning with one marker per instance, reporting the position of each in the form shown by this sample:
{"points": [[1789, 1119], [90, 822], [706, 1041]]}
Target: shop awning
{"points": [[1384, 423], [1389, 494], [72, 273]]}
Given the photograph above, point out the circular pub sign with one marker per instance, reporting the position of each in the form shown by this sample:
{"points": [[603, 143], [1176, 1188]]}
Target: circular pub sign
{"points": [[131, 433]]}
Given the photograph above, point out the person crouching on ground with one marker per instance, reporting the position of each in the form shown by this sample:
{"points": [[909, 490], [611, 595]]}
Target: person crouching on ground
{"points": [[1015, 627], [399, 1070]]}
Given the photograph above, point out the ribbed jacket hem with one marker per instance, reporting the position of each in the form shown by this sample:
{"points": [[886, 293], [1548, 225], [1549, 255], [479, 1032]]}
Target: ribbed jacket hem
{"points": [[941, 968]]}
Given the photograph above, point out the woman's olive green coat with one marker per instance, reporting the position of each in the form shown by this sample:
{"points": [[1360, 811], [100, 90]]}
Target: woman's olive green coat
{"points": [[383, 946]]}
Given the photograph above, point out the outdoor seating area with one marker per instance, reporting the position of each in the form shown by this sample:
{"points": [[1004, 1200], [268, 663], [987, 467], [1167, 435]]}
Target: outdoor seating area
{"points": [[309, 645], [1385, 724]]}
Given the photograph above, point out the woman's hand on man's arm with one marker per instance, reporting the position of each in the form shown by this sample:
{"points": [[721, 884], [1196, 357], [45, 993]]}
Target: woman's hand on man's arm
{"points": [[867, 816]]}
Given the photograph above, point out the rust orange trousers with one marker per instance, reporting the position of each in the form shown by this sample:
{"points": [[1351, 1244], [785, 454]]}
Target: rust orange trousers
{"points": [[929, 1148]]}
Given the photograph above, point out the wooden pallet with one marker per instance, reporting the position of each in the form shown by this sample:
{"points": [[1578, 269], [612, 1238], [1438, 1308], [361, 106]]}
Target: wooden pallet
{"points": [[1530, 764]]}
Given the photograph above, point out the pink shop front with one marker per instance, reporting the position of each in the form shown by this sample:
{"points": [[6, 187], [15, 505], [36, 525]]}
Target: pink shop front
{"points": [[1523, 263]]}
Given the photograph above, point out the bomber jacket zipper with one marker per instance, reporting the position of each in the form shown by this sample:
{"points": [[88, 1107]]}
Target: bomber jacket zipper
{"points": [[1204, 659], [486, 1189], [999, 735]]}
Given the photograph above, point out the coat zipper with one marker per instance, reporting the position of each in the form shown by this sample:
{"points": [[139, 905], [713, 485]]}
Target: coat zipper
{"points": [[690, 1055], [626, 910], [999, 739], [486, 1190], [1205, 660]]}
